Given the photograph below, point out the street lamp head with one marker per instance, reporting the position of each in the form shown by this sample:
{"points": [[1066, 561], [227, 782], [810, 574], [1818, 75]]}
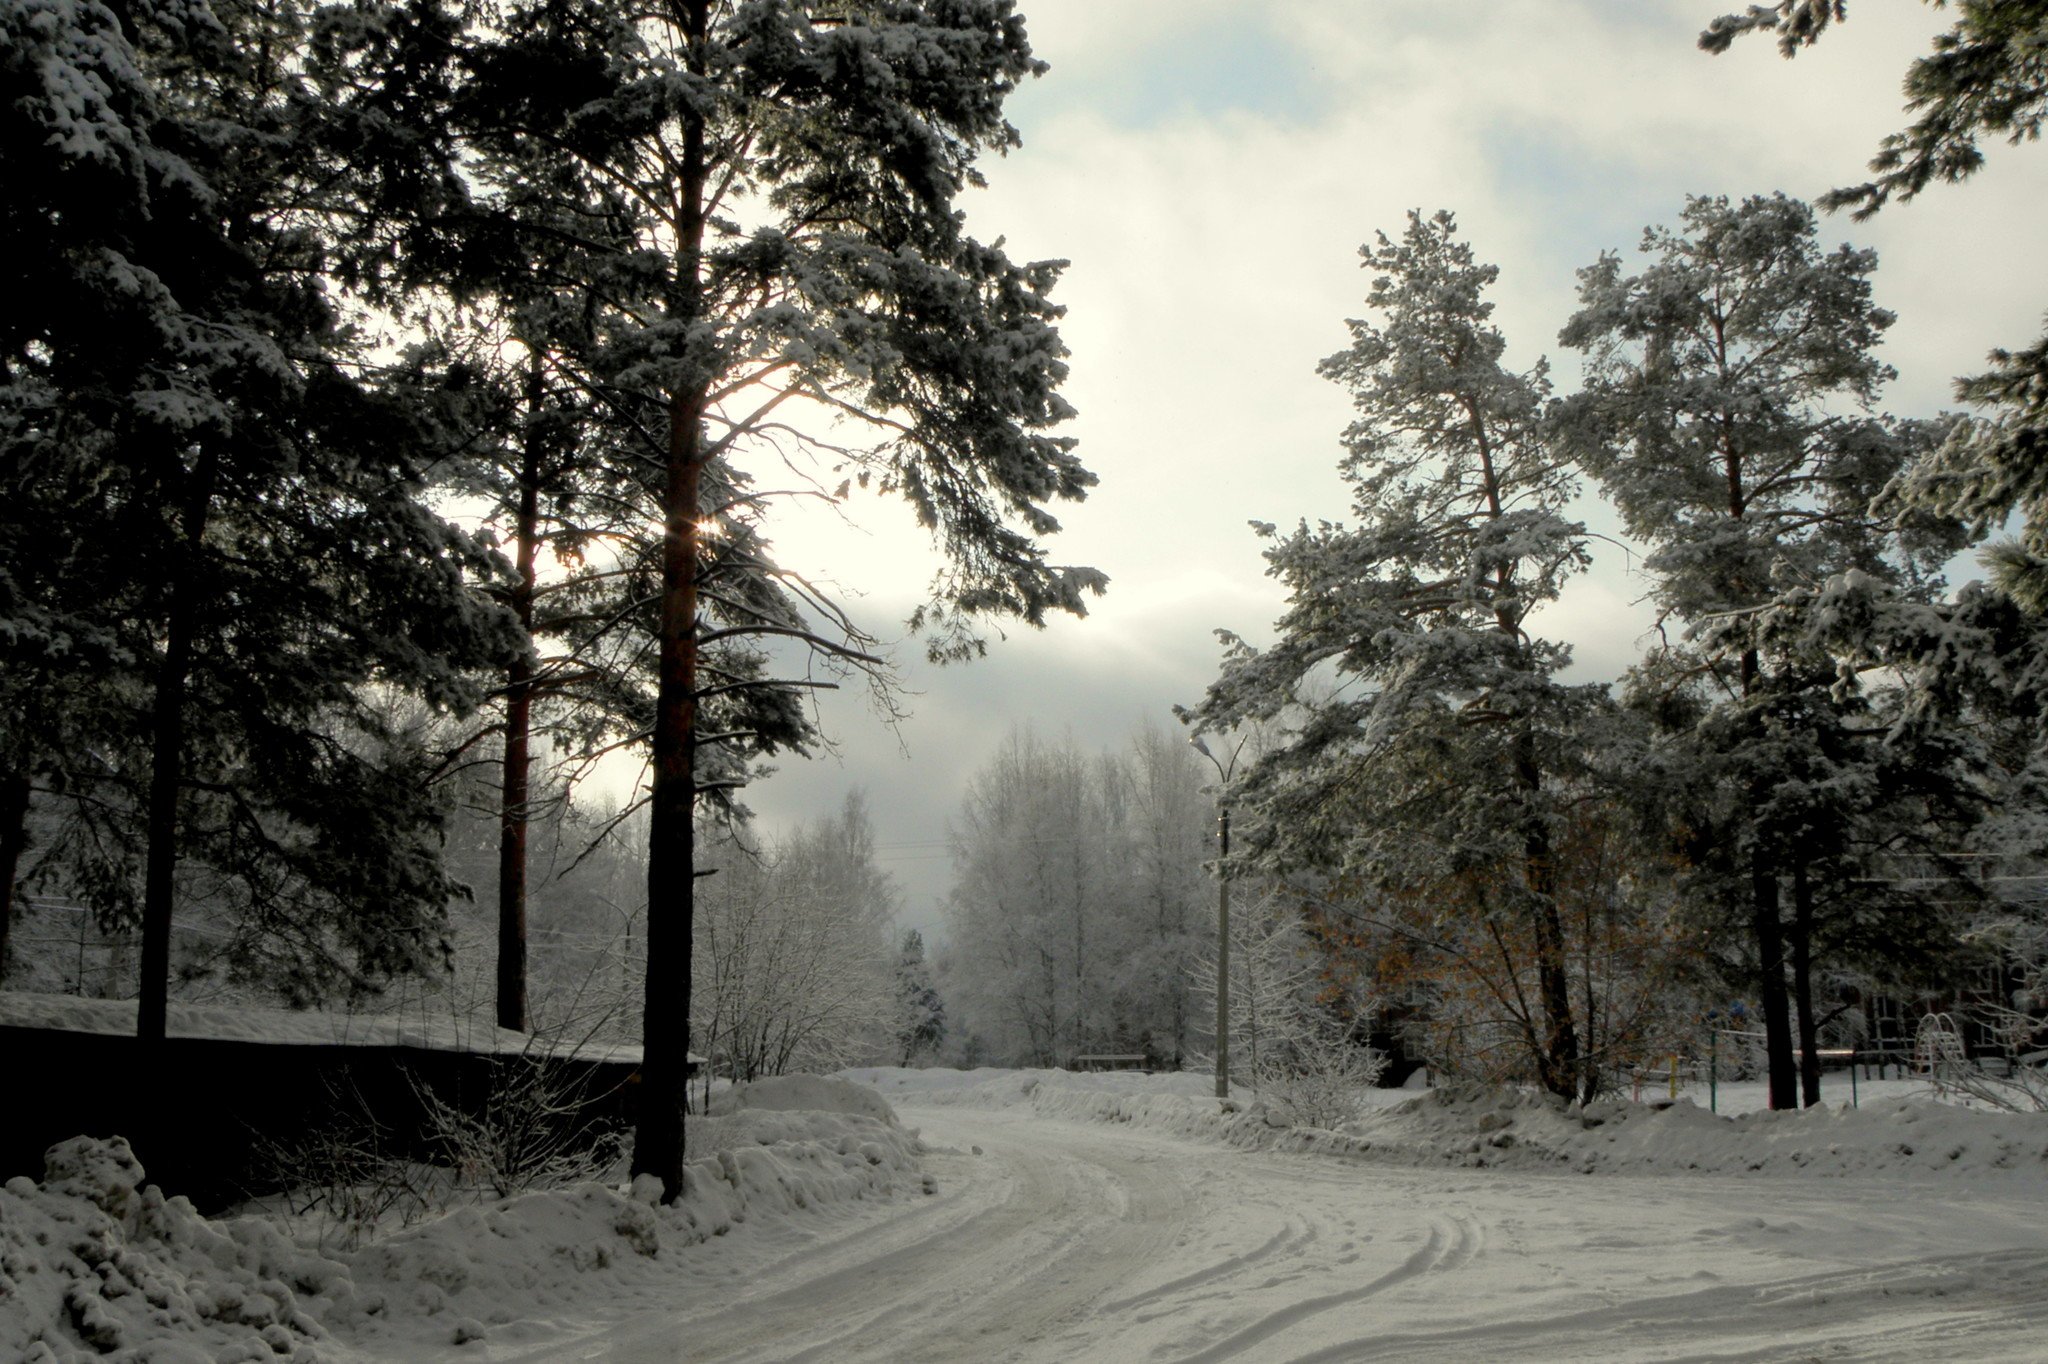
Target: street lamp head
{"points": [[1195, 740]]}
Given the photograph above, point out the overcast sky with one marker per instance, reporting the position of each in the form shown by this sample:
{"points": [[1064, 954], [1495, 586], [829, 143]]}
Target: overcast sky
{"points": [[1210, 169]]}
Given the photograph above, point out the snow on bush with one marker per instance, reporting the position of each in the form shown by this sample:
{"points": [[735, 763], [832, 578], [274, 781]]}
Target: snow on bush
{"points": [[1524, 1128], [781, 1161], [496, 1264], [95, 1262], [1326, 1081]]}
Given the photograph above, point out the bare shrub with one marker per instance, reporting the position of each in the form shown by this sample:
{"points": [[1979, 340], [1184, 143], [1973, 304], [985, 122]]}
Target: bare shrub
{"points": [[1323, 1080], [342, 1183], [531, 1132], [356, 1176]]}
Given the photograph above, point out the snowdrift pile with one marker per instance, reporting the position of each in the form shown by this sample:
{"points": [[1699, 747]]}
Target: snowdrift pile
{"points": [[95, 1262], [1477, 1127], [805, 1093]]}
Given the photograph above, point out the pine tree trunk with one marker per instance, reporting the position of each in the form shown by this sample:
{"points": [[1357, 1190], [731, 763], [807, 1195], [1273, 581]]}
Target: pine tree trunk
{"points": [[671, 841], [14, 794], [1784, 1084], [671, 845], [1764, 917], [160, 861], [166, 775], [1802, 986], [512, 1012], [513, 809], [1589, 1071], [1559, 1064]]}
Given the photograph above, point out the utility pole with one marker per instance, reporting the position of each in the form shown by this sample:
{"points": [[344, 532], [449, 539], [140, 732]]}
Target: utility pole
{"points": [[1223, 774]]}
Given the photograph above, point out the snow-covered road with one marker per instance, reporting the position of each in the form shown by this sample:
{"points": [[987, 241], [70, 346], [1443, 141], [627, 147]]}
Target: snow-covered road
{"points": [[1067, 1241]]}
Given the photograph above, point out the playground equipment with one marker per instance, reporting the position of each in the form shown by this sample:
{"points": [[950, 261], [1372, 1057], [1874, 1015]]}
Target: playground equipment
{"points": [[1938, 1053], [1670, 1072]]}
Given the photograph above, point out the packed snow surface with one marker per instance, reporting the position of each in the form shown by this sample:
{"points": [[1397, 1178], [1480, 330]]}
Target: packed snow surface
{"points": [[1064, 1217]]}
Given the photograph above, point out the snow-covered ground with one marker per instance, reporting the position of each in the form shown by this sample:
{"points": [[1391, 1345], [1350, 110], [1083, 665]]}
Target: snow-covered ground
{"points": [[1126, 1217]]}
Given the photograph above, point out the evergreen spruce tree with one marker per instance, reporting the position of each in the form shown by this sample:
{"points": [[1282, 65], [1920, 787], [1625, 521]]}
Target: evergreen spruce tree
{"points": [[1436, 758], [921, 1025], [194, 399], [85, 177]]}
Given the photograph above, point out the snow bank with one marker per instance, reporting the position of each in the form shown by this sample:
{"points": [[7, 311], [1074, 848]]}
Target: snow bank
{"points": [[496, 1264], [93, 1261], [1885, 1136], [783, 1161], [1523, 1129], [993, 1087], [483, 1267], [805, 1093]]}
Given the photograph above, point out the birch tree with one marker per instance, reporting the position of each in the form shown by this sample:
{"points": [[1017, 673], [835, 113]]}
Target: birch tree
{"points": [[1079, 903], [793, 952], [1029, 902]]}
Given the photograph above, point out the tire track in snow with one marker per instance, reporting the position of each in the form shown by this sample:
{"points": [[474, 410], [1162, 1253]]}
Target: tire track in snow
{"points": [[1072, 1242], [966, 1214], [1452, 1244], [1055, 1295], [1465, 1248], [1060, 1231], [1288, 1240], [1993, 1294], [829, 1313]]}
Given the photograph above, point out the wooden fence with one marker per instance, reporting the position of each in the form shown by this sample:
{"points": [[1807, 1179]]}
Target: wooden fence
{"points": [[199, 1111]]}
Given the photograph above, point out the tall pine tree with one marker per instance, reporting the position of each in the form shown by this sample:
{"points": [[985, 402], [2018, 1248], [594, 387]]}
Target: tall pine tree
{"points": [[1985, 77], [1437, 755], [766, 190], [1726, 414]]}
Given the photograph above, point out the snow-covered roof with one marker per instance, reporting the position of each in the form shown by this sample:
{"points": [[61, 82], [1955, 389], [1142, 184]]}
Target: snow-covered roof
{"points": [[303, 1027]]}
